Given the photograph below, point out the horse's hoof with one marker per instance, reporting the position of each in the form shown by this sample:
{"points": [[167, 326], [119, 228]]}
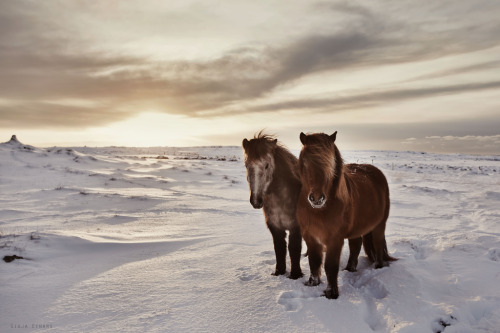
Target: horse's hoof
{"points": [[331, 293], [313, 281], [381, 265], [296, 275], [350, 269], [351, 265], [278, 273]]}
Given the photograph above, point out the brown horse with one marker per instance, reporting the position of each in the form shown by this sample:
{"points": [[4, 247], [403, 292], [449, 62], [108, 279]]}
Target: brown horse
{"points": [[272, 174], [340, 201]]}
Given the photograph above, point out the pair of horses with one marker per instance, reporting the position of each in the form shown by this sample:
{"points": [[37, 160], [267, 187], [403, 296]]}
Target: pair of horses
{"points": [[320, 199]]}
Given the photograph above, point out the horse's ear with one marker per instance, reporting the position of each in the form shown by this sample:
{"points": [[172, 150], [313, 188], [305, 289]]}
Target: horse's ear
{"points": [[275, 142], [245, 144], [303, 138], [333, 136]]}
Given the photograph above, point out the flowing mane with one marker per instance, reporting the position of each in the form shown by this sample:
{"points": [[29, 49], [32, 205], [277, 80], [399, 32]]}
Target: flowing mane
{"points": [[260, 145], [321, 154], [263, 144]]}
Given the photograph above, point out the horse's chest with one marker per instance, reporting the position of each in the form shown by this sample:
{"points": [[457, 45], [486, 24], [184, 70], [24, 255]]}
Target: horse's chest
{"points": [[280, 213], [322, 225]]}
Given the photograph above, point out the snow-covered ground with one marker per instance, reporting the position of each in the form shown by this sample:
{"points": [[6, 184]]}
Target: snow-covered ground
{"points": [[165, 240]]}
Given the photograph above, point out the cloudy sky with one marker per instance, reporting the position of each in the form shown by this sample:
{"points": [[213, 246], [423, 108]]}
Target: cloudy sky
{"points": [[393, 74]]}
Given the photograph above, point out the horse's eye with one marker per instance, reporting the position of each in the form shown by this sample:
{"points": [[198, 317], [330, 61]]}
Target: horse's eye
{"points": [[267, 165]]}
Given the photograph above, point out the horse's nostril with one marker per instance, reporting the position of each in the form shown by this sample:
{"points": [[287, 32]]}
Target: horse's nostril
{"points": [[311, 197], [322, 197]]}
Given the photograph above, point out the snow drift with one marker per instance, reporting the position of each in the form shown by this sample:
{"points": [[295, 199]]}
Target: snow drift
{"points": [[164, 239]]}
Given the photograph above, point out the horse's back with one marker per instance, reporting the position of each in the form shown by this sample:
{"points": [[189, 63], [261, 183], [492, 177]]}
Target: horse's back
{"points": [[367, 174], [369, 192]]}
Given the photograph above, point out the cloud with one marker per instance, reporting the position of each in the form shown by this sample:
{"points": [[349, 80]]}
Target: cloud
{"points": [[488, 65], [49, 115], [373, 98], [416, 136], [45, 58], [492, 139]]}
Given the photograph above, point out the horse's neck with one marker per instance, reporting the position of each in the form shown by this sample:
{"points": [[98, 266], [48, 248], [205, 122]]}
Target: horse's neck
{"points": [[343, 188], [283, 169], [340, 188]]}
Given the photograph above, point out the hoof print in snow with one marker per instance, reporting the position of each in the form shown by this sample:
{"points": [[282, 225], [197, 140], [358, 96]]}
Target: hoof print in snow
{"points": [[35, 236], [418, 249], [11, 258], [377, 289], [245, 275], [291, 300], [494, 254]]}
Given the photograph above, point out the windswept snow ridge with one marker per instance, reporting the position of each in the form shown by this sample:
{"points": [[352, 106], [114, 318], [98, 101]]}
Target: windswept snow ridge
{"points": [[164, 239]]}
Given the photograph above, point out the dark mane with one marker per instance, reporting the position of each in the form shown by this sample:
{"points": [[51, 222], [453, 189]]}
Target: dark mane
{"points": [[263, 144], [314, 153], [260, 145], [339, 170], [286, 162]]}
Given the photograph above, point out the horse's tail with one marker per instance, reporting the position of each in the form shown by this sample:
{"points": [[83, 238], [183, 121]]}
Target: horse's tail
{"points": [[370, 248]]}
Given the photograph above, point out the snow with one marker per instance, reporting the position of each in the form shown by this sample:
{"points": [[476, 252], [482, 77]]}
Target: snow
{"points": [[164, 239]]}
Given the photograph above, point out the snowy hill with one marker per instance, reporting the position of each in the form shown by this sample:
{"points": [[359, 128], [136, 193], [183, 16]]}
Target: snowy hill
{"points": [[164, 240], [14, 143]]}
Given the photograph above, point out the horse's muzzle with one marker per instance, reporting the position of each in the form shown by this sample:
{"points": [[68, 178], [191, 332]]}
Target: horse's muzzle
{"points": [[257, 204], [316, 202]]}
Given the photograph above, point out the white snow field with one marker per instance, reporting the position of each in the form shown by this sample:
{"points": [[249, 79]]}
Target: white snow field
{"points": [[165, 240]]}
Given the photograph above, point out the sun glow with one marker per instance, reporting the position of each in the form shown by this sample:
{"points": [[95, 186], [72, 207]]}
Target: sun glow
{"points": [[151, 128]]}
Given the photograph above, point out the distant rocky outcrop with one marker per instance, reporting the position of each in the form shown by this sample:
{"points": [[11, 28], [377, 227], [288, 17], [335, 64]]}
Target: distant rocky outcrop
{"points": [[14, 142]]}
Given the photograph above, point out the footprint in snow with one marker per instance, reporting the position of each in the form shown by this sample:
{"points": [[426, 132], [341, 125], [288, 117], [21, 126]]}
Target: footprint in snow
{"points": [[377, 289], [248, 277], [369, 284], [268, 262], [290, 300], [418, 248], [293, 300], [494, 254], [372, 291], [245, 275]]}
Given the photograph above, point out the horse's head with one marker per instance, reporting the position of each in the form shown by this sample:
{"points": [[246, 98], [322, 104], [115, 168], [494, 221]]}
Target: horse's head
{"points": [[259, 161], [317, 166]]}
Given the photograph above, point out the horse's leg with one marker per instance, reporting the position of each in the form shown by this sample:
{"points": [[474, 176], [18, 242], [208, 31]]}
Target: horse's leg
{"points": [[332, 261], [354, 249], [295, 248], [368, 246], [315, 256], [279, 249], [379, 244]]}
